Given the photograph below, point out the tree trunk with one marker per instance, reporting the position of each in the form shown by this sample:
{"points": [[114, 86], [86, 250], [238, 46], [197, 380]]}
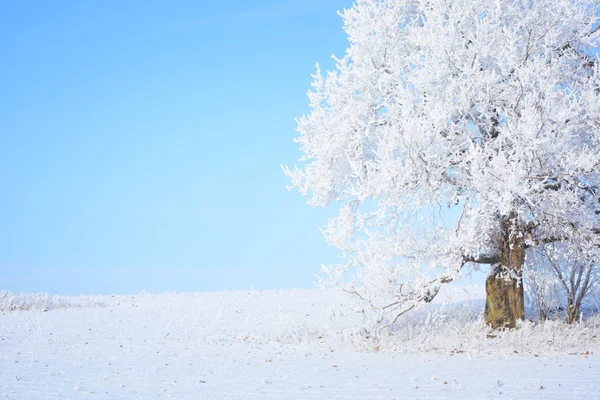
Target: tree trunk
{"points": [[504, 287], [573, 308]]}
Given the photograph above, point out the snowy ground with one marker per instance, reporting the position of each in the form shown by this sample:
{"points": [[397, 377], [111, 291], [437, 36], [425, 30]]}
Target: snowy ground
{"points": [[281, 345]]}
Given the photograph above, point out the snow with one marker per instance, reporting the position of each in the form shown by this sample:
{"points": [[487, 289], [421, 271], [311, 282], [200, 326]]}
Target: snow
{"points": [[288, 344]]}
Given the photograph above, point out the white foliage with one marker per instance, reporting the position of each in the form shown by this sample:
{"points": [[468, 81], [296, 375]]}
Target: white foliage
{"points": [[442, 118]]}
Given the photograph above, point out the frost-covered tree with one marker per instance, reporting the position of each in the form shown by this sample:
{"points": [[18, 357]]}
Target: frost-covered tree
{"points": [[542, 287], [455, 133], [559, 271]]}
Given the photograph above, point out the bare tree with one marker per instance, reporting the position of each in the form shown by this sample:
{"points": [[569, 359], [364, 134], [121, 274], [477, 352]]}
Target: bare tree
{"points": [[542, 287], [564, 271]]}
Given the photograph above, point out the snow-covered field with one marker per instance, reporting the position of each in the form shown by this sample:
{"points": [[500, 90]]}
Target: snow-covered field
{"points": [[292, 344]]}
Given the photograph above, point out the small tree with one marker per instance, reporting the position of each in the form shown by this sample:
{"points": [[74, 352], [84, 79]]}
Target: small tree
{"points": [[542, 287], [565, 270], [454, 133]]}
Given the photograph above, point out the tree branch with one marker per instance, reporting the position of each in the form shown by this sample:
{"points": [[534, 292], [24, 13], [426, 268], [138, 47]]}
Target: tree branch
{"points": [[483, 259], [552, 239], [433, 287]]}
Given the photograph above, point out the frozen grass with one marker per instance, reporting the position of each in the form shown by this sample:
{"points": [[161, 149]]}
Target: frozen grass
{"points": [[452, 325], [459, 328], [43, 302]]}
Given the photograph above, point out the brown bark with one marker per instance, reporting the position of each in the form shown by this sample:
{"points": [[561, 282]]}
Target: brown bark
{"points": [[573, 307], [504, 287]]}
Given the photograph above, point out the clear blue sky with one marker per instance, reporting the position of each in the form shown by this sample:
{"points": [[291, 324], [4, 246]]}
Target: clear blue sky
{"points": [[142, 142]]}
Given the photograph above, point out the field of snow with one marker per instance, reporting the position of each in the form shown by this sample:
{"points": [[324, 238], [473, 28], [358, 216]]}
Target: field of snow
{"points": [[289, 344]]}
